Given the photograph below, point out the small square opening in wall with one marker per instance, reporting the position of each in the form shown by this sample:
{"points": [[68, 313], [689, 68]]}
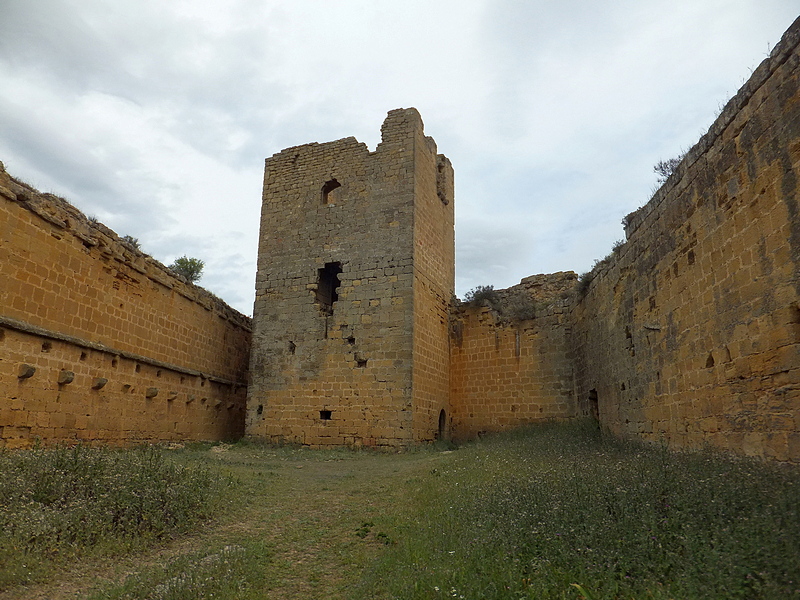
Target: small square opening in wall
{"points": [[325, 415]]}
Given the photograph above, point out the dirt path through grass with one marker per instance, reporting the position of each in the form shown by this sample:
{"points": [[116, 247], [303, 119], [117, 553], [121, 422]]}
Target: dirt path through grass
{"points": [[320, 516]]}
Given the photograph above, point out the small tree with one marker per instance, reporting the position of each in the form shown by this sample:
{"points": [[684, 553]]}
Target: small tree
{"points": [[191, 268]]}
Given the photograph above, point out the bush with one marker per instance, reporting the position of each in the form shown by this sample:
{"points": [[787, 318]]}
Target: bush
{"points": [[480, 294], [665, 168], [131, 241], [584, 281], [190, 268]]}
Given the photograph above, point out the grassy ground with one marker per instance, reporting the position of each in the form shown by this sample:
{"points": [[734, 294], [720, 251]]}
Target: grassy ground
{"points": [[551, 512]]}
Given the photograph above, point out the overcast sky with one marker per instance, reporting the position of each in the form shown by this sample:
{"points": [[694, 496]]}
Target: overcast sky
{"points": [[156, 116]]}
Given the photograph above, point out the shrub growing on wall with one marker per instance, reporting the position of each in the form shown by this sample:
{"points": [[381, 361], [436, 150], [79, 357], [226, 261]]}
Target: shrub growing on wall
{"points": [[190, 268], [481, 293]]}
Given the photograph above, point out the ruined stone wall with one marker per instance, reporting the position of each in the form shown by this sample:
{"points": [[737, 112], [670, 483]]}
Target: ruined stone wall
{"points": [[99, 342], [510, 357], [690, 333]]}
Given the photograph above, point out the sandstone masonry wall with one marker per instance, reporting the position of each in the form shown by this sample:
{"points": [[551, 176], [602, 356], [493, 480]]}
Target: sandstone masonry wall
{"points": [[690, 333], [349, 274], [434, 288], [511, 361], [99, 342]]}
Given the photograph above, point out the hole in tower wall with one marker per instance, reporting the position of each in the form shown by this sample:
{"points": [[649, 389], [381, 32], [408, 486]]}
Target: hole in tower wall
{"points": [[46, 346], [328, 197], [441, 190], [260, 409], [594, 406], [292, 347], [794, 319], [710, 360], [325, 415], [327, 286], [795, 313]]}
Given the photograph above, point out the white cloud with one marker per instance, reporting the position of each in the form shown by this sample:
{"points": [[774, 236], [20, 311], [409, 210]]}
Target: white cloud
{"points": [[157, 116]]}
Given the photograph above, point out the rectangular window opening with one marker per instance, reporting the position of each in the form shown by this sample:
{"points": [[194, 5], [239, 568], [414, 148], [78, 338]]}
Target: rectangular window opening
{"points": [[328, 286], [325, 415]]}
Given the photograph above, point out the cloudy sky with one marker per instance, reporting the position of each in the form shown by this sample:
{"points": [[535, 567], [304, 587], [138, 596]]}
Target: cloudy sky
{"points": [[155, 116]]}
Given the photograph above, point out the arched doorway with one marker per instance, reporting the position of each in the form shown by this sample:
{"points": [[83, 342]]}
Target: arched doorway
{"points": [[442, 433]]}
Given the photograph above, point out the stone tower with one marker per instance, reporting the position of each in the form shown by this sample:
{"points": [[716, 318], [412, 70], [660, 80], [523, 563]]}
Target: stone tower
{"points": [[355, 276]]}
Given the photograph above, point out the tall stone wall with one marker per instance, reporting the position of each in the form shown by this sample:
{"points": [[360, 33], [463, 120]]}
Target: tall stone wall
{"points": [[690, 333], [434, 288], [510, 357], [101, 343], [349, 274]]}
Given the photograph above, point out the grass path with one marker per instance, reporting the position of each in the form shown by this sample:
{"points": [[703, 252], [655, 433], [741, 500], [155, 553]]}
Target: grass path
{"points": [[319, 517]]}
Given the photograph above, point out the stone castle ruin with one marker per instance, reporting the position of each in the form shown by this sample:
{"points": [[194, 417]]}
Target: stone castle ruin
{"points": [[356, 268], [687, 334]]}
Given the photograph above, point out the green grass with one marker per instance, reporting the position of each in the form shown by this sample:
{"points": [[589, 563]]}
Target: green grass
{"points": [[233, 572], [553, 511], [61, 504], [559, 511]]}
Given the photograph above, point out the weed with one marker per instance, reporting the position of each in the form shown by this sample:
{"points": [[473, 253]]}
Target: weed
{"points": [[365, 529], [67, 501], [561, 510], [234, 572], [584, 281], [131, 241], [665, 168]]}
